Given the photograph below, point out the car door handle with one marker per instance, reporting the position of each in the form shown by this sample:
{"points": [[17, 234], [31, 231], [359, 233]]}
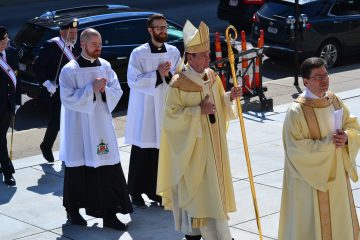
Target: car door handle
{"points": [[337, 21], [121, 58]]}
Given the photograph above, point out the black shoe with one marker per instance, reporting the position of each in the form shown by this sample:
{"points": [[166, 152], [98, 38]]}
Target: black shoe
{"points": [[195, 237], [137, 200], [115, 223], [157, 199], [9, 180], [76, 218], [47, 153]]}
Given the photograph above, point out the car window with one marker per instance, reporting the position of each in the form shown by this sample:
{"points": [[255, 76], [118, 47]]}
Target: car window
{"points": [[33, 35], [131, 32], [174, 33], [345, 7], [283, 8]]}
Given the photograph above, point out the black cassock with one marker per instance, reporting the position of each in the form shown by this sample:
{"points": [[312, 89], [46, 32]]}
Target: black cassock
{"points": [[102, 191], [10, 96]]}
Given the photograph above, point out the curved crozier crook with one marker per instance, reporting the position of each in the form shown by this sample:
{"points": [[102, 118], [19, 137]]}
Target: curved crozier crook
{"points": [[228, 33]]}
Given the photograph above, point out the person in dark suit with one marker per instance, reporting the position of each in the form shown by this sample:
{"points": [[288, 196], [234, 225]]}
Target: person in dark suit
{"points": [[10, 101], [54, 54]]}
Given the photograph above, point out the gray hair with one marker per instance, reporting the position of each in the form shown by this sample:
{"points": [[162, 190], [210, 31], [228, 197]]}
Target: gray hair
{"points": [[87, 33]]}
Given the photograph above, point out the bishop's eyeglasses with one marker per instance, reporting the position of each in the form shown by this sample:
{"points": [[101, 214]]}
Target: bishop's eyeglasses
{"points": [[320, 77]]}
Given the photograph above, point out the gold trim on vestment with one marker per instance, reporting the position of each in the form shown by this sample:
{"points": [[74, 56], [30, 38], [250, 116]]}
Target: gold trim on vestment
{"points": [[323, 197], [216, 145], [318, 102], [198, 222], [355, 221], [185, 84], [307, 105]]}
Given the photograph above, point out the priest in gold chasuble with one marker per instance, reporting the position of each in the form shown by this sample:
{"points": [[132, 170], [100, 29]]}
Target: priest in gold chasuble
{"points": [[194, 177], [321, 140]]}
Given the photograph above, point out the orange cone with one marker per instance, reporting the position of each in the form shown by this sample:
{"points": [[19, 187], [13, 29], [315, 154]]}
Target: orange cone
{"points": [[244, 64], [218, 56], [256, 78]]}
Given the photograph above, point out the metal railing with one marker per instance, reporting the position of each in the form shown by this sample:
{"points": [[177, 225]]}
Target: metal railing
{"points": [[255, 90]]}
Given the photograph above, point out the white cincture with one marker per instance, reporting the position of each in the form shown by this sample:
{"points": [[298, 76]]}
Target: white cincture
{"points": [[62, 46], [8, 70]]}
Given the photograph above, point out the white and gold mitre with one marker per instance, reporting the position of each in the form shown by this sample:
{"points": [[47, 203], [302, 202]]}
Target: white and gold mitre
{"points": [[196, 40]]}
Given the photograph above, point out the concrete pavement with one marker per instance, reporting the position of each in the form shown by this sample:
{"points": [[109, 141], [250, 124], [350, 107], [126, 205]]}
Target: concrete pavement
{"points": [[33, 209]]}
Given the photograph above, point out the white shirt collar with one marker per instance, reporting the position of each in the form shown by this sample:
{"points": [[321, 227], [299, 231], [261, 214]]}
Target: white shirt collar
{"points": [[92, 60], [200, 75], [66, 43], [308, 94]]}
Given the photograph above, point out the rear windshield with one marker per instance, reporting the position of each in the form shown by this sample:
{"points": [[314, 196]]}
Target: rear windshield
{"points": [[33, 35], [285, 8]]}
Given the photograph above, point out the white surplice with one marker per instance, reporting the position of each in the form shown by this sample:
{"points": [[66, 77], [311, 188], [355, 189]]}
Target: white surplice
{"points": [[146, 103], [87, 133]]}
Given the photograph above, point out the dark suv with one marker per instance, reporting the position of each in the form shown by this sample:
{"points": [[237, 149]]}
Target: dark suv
{"points": [[332, 29], [238, 12], [122, 29]]}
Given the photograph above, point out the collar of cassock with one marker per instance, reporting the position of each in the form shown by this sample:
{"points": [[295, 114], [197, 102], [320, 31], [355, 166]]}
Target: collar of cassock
{"points": [[155, 49], [84, 63], [92, 60]]}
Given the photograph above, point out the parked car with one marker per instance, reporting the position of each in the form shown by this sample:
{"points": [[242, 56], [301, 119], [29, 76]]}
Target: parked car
{"points": [[238, 12], [122, 29], [332, 29]]}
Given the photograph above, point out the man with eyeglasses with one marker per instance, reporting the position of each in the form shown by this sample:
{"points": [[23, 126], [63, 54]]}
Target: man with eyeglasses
{"points": [[55, 53], [10, 101], [150, 69], [321, 141]]}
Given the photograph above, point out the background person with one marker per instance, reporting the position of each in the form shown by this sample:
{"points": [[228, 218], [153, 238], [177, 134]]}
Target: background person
{"points": [[10, 101], [321, 140], [55, 53]]}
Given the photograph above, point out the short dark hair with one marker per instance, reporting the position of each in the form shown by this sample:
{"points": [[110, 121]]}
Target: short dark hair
{"points": [[309, 64], [153, 17], [187, 56]]}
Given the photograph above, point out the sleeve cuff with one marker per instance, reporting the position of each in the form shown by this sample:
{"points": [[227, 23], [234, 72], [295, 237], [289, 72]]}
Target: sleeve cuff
{"points": [[168, 78], [158, 79]]}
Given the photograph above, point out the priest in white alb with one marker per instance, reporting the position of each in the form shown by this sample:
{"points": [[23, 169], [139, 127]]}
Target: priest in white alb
{"points": [[94, 179], [321, 140], [194, 177]]}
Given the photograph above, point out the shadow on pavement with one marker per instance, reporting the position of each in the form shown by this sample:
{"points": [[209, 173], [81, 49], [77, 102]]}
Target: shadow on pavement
{"points": [[47, 183], [6, 192]]}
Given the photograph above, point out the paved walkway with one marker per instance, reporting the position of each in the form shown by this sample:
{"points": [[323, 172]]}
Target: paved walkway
{"points": [[33, 209]]}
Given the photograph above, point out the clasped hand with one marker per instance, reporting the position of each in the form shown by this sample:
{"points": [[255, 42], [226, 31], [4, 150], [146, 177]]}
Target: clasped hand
{"points": [[340, 138], [99, 85], [164, 69], [206, 106]]}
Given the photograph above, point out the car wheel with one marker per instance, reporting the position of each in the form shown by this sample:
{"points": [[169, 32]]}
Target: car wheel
{"points": [[329, 51]]}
